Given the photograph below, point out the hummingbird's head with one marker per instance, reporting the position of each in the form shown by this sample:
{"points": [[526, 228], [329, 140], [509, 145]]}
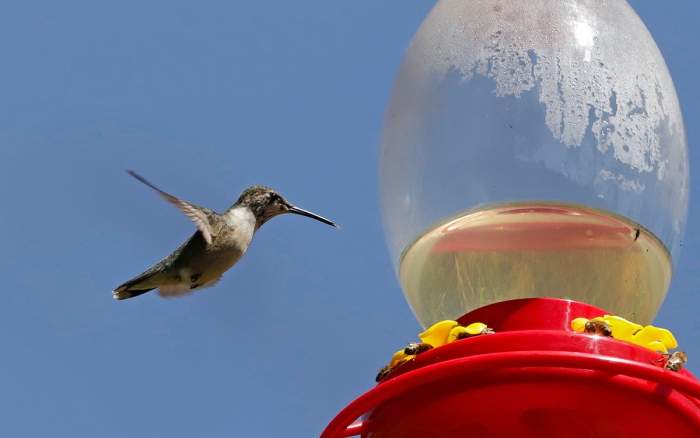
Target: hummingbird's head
{"points": [[266, 203]]}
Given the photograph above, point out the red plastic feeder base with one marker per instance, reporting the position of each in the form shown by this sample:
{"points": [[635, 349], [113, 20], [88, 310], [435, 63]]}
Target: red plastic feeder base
{"points": [[535, 377]]}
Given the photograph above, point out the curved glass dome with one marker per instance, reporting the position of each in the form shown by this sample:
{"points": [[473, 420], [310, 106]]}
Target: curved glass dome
{"points": [[533, 149]]}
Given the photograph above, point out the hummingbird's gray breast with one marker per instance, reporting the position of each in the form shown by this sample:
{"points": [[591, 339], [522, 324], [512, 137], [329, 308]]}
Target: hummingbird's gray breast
{"points": [[233, 233]]}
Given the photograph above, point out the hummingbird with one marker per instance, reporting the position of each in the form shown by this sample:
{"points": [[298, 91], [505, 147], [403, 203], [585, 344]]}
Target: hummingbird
{"points": [[219, 242]]}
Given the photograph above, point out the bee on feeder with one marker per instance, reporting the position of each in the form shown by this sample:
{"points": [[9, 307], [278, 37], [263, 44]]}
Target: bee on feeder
{"points": [[600, 328]]}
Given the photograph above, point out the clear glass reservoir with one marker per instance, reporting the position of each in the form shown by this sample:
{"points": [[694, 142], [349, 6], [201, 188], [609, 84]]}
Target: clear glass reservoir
{"points": [[533, 149]]}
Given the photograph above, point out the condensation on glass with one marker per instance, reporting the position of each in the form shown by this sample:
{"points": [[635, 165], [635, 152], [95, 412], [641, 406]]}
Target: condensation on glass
{"points": [[533, 148]]}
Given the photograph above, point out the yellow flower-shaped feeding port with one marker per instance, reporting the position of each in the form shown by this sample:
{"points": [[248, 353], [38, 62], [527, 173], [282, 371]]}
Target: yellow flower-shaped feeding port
{"points": [[621, 328], [477, 328], [437, 335], [653, 338], [579, 324], [474, 329], [399, 357], [448, 331]]}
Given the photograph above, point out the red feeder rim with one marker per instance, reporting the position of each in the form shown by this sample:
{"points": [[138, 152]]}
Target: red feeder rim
{"points": [[534, 377]]}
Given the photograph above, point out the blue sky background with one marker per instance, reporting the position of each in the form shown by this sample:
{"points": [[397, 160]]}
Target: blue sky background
{"points": [[204, 99]]}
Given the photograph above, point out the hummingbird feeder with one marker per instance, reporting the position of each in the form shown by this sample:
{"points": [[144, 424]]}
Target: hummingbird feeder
{"points": [[533, 178]]}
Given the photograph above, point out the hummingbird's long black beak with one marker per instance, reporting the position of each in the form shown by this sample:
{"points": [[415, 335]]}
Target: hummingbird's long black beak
{"points": [[302, 212]]}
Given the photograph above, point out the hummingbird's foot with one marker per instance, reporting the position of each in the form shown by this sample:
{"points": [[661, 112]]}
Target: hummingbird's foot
{"points": [[183, 289]]}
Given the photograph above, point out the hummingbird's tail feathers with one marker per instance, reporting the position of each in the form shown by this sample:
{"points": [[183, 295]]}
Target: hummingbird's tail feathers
{"points": [[139, 285], [122, 295]]}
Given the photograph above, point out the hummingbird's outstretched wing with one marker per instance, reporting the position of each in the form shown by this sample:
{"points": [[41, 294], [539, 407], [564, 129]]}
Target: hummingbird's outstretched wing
{"points": [[198, 215]]}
